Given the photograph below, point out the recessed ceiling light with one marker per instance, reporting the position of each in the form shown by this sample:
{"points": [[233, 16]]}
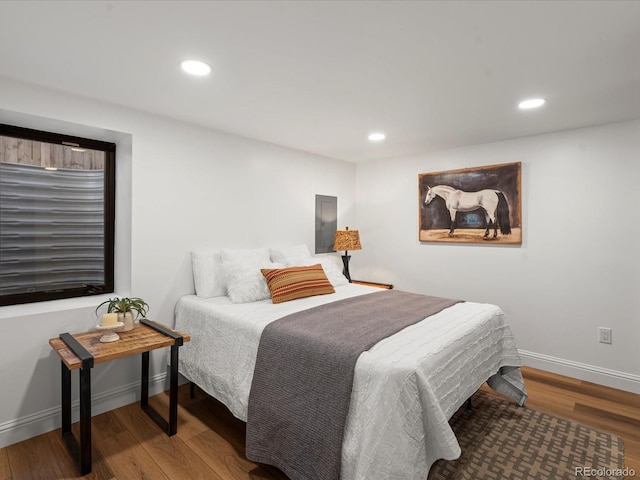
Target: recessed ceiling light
{"points": [[531, 103], [377, 136], [196, 67]]}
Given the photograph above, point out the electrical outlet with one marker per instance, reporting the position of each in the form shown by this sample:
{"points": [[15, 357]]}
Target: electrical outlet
{"points": [[604, 335]]}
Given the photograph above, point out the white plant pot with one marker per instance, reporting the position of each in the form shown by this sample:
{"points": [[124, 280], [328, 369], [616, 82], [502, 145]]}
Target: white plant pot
{"points": [[127, 319]]}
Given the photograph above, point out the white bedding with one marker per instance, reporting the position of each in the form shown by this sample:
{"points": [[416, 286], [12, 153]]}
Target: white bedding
{"points": [[405, 388]]}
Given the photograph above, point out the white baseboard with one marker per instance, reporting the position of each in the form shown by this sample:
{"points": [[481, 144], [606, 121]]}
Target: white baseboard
{"points": [[29, 426], [582, 371]]}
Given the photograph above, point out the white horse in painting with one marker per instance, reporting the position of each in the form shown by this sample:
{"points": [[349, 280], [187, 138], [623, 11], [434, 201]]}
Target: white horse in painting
{"points": [[493, 202]]}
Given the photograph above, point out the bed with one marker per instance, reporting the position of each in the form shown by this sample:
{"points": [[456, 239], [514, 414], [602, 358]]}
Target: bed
{"points": [[405, 388]]}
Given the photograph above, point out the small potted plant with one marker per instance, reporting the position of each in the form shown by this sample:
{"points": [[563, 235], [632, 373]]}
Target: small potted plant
{"points": [[125, 307]]}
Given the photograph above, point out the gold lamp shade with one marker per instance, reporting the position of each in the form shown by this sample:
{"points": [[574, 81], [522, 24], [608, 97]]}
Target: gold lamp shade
{"points": [[347, 240]]}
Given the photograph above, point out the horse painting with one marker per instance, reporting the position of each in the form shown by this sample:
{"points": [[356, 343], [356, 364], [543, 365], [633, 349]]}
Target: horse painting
{"points": [[493, 202]]}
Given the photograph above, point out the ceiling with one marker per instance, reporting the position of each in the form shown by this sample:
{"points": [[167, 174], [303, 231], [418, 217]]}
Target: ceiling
{"points": [[320, 76]]}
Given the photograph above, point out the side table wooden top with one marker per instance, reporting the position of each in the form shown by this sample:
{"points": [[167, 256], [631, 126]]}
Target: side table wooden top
{"points": [[388, 286], [141, 339]]}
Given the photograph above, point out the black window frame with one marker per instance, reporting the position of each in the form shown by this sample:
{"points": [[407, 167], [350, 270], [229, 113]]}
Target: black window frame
{"points": [[109, 214]]}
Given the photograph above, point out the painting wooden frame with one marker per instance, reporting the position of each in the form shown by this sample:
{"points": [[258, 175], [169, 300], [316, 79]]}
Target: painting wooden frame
{"points": [[485, 203]]}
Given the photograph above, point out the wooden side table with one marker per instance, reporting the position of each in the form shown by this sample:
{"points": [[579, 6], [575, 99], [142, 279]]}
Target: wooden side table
{"points": [[388, 286], [83, 350]]}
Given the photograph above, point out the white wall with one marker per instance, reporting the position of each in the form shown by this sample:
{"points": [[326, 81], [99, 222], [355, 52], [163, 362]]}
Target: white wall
{"points": [[180, 188], [578, 267]]}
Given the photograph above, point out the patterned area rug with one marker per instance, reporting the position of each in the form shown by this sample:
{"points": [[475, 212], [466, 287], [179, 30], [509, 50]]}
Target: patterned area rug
{"points": [[501, 441]]}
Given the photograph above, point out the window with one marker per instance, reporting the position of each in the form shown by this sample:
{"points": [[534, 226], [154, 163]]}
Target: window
{"points": [[57, 204]]}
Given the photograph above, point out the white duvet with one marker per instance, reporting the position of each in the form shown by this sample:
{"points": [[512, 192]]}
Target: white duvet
{"points": [[405, 388]]}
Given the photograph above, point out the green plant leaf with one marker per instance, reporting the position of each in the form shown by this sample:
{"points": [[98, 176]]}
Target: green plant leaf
{"points": [[125, 304]]}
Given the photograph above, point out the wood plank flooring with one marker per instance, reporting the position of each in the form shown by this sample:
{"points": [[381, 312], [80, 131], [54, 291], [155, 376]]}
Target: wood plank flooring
{"points": [[209, 444]]}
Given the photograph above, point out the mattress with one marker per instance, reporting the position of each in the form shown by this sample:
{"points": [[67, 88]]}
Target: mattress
{"points": [[405, 388]]}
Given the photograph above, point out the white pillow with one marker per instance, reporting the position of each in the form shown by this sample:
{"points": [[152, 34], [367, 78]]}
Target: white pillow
{"points": [[331, 270], [257, 256], [245, 282], [208, 276], [294, 256]]}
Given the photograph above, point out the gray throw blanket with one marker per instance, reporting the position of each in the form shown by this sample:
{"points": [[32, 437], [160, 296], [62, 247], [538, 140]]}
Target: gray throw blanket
{"points": [[303, 376]]}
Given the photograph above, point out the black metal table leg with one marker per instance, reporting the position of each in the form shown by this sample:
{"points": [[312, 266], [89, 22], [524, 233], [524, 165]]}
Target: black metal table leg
{"points": [[144, 397], [85, 420], [173, 391], [81, 451], [144, 385], [67, 434], [66, 399], [170, 427]]}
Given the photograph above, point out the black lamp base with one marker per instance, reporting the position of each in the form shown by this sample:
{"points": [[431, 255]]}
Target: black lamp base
{"points": [[345, 270]]}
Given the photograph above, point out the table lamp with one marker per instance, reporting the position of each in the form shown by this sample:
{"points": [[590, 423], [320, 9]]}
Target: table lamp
{"points": [[347, 240]]}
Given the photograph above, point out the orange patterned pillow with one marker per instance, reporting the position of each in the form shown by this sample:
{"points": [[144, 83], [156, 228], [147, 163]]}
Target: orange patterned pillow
{"points": [[296, 282]]}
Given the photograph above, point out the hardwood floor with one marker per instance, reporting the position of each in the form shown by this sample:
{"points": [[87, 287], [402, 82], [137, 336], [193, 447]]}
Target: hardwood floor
{"points": [[210, 441]]}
